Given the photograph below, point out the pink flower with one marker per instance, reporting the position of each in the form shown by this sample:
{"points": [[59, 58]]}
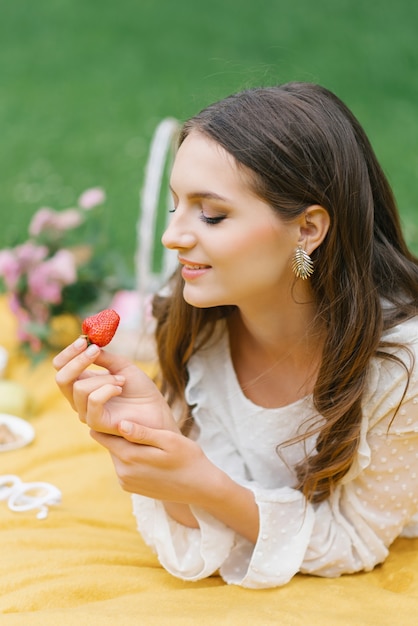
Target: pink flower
{"points": [[132, 307], [91, 198], [36, 272], [57, 221], [40, 221], [70, 218], [23, 320], [14, 304], [15, 262], [45, 280], [37, 310], [63, 267], [9, 268], [29, 254]]}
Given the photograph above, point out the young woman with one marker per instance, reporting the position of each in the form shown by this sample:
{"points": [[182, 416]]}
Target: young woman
{"points": [[285, 438]]}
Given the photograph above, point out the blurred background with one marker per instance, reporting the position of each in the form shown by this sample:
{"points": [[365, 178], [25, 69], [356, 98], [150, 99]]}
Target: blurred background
{"points": [[83, 84]]}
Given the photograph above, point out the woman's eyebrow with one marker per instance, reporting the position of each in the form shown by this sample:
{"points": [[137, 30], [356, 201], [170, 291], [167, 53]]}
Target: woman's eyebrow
{"points": [[207, 195]]}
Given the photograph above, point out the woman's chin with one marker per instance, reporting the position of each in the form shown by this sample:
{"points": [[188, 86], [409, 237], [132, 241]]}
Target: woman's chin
{"points": [[200, 300]]}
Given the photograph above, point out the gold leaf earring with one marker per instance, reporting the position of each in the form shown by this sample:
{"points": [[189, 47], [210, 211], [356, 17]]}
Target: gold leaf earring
{"points": [[302, 264]]}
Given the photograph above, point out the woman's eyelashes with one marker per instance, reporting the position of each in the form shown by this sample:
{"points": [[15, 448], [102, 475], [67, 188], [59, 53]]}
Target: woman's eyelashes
{"points": [[211, 219], [207, 219]]}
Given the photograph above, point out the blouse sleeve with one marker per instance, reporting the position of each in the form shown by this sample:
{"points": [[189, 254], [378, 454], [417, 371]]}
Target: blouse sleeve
{"points": [[351, 531]]}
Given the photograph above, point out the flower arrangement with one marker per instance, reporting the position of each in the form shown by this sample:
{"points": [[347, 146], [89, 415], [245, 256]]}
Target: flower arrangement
{"points": [[63, 272]]}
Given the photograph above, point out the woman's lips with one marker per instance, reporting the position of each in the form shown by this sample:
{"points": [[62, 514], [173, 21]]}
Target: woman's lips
{"points": [[193, 270]]}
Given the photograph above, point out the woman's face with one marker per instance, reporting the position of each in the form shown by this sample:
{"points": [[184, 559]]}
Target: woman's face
{"points": [[233, 248]]}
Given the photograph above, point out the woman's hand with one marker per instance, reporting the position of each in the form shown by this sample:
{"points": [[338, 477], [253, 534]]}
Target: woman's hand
{"points": [[168, 466], [128, 415], [118, 390], [160, 464]]}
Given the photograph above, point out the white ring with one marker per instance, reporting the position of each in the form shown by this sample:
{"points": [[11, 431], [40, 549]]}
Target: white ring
{"points": [[8, 483], [28, 502]]}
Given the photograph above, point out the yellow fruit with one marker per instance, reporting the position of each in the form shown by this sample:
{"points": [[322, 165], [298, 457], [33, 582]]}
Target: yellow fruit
{"points": [[64, 329], [14, 398]]}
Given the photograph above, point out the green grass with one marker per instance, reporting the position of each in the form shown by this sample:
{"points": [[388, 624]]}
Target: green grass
{"points": [[84, 83]]}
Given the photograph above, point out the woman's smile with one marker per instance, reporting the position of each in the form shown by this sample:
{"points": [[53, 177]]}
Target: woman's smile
{"points": [[192, 271]]}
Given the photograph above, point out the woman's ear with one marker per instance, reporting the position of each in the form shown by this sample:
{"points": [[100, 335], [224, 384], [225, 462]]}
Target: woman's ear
{"points": [[314, 226]]}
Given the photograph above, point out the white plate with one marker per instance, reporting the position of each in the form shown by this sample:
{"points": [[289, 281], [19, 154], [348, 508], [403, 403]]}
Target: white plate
{"points": [[21, 429]]}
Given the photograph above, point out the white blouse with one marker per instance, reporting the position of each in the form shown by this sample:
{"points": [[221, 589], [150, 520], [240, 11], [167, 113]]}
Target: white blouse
{"points": [[376, 501]]}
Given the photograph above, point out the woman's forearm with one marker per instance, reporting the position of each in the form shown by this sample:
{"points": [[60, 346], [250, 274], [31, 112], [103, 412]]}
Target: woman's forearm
{"points": [[228, 502]]}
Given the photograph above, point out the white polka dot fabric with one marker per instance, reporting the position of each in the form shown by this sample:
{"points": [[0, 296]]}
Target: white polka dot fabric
{"points": [[376, 501]]}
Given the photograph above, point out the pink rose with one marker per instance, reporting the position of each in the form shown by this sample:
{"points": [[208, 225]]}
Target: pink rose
{"points": [[91, 198], [38, 310], [15, 262], [29, 254], [40, 221], [9, 268], [63, 267], [23, 320], [132, 307], [45, 281], [57, 221], [70, 218]]}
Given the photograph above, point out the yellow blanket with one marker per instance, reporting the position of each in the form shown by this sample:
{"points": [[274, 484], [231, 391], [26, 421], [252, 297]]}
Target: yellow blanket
{"points": [[87, 565]]}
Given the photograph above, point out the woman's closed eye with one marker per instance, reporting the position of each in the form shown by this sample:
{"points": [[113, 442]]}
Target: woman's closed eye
{"points": [[211, 219], [208, 215]]}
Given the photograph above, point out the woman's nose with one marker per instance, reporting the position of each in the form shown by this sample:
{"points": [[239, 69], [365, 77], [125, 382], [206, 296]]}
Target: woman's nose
{"points": [[177, 235]]}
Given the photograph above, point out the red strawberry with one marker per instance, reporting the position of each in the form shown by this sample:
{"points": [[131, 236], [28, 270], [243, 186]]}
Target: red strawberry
{"points": [[100, 328]]}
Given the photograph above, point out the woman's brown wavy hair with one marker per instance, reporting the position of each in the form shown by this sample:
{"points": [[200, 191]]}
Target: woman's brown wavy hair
{"points": [[303, 146]]}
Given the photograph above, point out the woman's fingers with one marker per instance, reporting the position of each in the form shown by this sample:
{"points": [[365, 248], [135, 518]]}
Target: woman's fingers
{"points": [[91, 394], [79, 354], [95, 393], [156, 463], [147, 440], [71, 351], [114, 363], [137, 433], [71, 365]]}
